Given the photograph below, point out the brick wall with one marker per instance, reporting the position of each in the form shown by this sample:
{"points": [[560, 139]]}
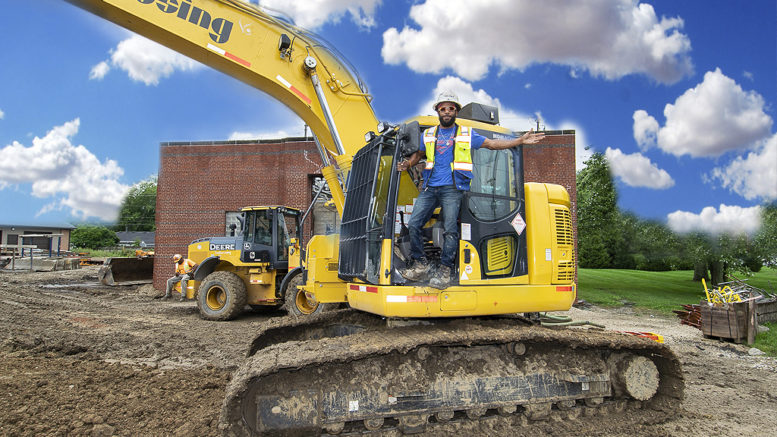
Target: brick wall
{"points": [[199, 182], [553, 161]]}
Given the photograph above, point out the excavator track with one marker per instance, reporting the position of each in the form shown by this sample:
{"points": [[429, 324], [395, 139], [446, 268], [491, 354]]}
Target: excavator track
{"points": [[348, 372]]}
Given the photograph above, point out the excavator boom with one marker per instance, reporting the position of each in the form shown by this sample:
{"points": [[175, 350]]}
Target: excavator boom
{"points": [[272, 55]]}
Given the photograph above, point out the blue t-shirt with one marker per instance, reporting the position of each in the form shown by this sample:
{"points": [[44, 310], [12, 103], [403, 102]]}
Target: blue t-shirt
{"points": [[442, 175]]}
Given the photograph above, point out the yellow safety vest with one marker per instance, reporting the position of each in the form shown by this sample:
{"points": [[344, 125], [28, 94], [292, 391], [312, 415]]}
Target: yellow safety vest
{"points": [[462, 156]]}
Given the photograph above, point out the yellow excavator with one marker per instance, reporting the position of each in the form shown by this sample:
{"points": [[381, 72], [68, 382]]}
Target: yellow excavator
{"points": [[405, 357]]}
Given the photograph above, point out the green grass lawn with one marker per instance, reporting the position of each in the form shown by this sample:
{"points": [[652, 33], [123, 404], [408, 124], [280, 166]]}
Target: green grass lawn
{"points": [[662, 292], [653, 291]]}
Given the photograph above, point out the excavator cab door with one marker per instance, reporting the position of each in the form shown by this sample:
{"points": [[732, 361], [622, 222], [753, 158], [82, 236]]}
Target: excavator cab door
{"points": [[493, 213]]}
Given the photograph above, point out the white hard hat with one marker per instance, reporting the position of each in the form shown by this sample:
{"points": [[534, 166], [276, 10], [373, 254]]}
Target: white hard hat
{"points": [[177, 257], [447, 96]]}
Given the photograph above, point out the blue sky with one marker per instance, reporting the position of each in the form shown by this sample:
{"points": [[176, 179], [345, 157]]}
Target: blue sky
{"points": [[679, 95]]}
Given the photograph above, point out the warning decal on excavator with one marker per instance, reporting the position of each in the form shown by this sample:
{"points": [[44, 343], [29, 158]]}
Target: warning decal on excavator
{"points": [[288, 85], [228, 55], [518, 224]]}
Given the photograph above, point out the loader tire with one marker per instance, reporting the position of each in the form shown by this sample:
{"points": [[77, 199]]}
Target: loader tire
{"points": [[221, 296], [296, 303]]}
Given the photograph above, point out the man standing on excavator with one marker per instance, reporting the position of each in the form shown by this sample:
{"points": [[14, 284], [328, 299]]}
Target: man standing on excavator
{"points": [[183, 269], [448, 150]]}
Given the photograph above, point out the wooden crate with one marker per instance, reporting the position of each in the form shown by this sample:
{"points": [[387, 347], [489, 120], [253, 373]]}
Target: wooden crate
{"points": [[726, 322], [767, 311]]}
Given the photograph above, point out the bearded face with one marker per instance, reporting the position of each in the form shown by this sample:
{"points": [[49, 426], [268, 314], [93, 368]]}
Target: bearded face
{"points": [[447, 114], [447, 120]]}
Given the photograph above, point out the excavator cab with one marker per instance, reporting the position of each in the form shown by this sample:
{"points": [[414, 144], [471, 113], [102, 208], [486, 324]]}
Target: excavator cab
{"points": [[380, 203]]}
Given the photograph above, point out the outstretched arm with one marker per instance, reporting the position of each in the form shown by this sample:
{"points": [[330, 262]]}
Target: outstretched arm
{"points": [[528, 138]]}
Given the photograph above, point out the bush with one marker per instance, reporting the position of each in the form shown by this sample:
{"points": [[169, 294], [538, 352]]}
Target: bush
{"points": [[93, 237]]}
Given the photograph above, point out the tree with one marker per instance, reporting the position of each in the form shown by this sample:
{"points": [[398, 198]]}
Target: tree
{"points": [[657, 246], [93, 237], [138, 209], [597, 213], [716, 256], [766, 238]]}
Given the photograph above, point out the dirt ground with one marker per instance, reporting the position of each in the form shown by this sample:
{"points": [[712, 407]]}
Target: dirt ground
{"points": [[77, 358]]}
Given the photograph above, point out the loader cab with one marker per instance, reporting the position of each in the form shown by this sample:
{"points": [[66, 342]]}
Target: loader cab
{"points": [[380, 202], [268, 234]]}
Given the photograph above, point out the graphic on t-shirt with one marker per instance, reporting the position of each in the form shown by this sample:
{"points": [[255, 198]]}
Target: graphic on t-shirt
{"points": [[444, 141]]}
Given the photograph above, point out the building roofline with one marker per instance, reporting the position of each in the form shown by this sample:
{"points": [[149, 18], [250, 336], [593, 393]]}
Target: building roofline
{"points": [[16, 225], [237, 142]]}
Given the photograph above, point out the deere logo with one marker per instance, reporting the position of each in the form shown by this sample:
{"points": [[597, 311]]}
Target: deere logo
{"points": [[222, 246], [183, 9]]}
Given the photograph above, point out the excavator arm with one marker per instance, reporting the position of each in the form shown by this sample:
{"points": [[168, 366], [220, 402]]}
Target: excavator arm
{"points": [[287, 62]]}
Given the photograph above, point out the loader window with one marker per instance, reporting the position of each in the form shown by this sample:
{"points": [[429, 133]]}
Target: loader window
{"points": [[263, 228], [283, 238]]}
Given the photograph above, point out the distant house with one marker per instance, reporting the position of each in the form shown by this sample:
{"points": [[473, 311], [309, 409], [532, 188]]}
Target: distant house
{"points": [[53, 238], [143, 239]]}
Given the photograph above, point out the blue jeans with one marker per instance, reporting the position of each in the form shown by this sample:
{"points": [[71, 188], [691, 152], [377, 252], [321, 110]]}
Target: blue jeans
{"points": [[447, 197]]}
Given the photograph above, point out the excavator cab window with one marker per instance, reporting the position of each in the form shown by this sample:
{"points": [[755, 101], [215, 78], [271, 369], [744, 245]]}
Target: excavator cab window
{"points": [[494, 187]]}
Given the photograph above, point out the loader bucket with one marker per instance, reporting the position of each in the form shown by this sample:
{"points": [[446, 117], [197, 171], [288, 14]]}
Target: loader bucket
{"points": [[118, 271]]}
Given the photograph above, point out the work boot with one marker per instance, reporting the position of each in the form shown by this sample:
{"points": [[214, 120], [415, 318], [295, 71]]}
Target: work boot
{"points": [[417, 271], [166, 296], [442, 278], [183, 297]]}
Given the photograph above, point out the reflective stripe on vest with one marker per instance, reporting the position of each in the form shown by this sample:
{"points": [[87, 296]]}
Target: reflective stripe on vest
{"points": [[430, 140]]}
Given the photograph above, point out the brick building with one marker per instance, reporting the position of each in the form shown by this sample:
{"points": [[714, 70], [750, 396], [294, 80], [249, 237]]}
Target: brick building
{"points": [[202, 183], [553, 161]]}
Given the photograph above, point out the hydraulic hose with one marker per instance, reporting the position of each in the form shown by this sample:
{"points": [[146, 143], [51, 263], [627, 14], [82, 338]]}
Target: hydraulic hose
{"points": [[551, 320]]}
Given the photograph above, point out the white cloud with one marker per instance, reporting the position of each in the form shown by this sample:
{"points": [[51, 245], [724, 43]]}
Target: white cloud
{"points": [[99, 71], [314, 13], [708, 120], [2, 114], [636, 170], [70, 174], [645, 129], [241, 136], [507, 117], [608, 38], [144, 61], [754, 176], [728, 220]]}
